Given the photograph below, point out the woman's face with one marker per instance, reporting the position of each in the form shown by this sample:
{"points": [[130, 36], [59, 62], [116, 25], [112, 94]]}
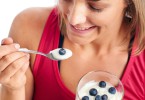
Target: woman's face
{"points": [[90, 20]]}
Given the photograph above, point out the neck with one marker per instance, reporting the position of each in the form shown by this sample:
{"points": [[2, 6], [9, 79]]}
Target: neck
{"points": [[102, 45]]}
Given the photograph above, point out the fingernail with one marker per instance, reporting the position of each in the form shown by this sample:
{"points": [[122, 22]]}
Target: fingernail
{"points": [[2, 41], [17, 46]]}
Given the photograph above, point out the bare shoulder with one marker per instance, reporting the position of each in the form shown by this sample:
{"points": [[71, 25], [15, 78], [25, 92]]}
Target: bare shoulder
{"points": [[28, 26]]}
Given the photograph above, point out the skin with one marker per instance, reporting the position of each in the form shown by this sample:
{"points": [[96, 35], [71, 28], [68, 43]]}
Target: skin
{"points": [[101, 43], [91, 49]]}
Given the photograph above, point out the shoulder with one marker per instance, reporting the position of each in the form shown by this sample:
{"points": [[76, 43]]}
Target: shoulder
{"points": [[28, 25]]}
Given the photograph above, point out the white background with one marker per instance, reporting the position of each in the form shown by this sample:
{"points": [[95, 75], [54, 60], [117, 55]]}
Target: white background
{"points": [[10, 8]]}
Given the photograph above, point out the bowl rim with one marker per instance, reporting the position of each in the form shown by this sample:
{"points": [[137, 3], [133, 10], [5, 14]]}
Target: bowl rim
{"points": [[95, 71]]}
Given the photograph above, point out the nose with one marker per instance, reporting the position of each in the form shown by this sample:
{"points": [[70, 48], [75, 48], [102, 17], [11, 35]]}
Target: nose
{"points": [[77, 15]]}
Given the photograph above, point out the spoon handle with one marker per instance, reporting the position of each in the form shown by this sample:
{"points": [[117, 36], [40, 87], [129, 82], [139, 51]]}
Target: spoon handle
{"points": [[31, 51]]}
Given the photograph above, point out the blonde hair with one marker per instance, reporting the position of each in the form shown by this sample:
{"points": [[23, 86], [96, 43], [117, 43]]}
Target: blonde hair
{"points": [[136, 9]]}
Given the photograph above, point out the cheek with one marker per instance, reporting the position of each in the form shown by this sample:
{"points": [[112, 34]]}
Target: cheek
{"points": [[100, 20], [106, 18]]}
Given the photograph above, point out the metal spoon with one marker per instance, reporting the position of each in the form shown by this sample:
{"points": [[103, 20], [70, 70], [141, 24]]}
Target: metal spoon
{"points": [[56, 54]]}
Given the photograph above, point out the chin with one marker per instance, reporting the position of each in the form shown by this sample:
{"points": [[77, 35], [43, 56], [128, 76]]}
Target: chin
{"points": [[78, 40]]}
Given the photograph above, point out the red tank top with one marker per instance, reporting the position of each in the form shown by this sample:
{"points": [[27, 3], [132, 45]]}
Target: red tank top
{"points": [[48, 82]]}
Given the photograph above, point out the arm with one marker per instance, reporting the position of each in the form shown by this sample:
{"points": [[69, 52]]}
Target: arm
{"points": [[26, 30], [13, 66], [20, 83]]}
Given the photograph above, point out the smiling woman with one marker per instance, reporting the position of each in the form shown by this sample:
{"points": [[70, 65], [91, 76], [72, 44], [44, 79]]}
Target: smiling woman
{"points": [[103, 35], [10, 8]]}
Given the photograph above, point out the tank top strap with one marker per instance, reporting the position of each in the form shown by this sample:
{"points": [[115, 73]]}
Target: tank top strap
{"points": [[49, 39]]}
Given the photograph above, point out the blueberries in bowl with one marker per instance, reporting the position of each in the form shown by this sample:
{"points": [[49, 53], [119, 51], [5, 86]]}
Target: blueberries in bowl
{"points": [[93, 92], [104, 97], [112, 90], [102, 84], [85, 98], [98, 97]]}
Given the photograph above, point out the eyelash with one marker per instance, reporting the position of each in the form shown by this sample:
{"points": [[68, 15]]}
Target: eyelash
{"points": [[95, 9]]}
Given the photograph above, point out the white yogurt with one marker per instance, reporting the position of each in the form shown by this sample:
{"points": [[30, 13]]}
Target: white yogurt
{"points": [[56, 55], [84, 91]]}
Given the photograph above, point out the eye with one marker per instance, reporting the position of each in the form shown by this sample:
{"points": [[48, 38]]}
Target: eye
{"points": [[95, 9]]}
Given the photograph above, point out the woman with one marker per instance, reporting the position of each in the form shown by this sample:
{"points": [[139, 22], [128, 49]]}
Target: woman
{"points": [[106, 35]]}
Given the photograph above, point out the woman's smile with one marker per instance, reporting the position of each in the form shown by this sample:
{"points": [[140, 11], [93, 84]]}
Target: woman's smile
{"points": [[81, 30]]}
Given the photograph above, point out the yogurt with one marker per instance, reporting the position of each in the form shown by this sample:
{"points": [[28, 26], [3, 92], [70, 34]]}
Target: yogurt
{"points": [[61, 53], [85, 91]]}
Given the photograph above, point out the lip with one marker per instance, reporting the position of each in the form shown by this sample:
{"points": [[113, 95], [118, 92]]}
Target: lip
{"points": [[81, 32]]}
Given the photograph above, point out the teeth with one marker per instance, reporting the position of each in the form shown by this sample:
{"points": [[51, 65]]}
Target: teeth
{"points": [[81, 28]]}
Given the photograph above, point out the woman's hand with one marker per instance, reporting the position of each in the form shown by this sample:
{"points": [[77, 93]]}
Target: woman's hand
{"points": [[13, 65]]}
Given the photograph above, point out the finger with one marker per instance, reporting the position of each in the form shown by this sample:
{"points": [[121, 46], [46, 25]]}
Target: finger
{"points": [[7, 49], [8, 40], [21, 72], [19, 77], [8, 59], [13, 68]]}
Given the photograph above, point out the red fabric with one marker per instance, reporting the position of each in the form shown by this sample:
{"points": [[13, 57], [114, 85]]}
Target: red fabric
{"points": [[48, 83]]}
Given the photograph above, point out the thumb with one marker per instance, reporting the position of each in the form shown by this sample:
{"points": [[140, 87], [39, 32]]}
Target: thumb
{"points": [[7, 41]]}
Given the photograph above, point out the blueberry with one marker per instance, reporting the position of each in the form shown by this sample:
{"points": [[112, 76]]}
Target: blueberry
{"points": [[102, 84], [104, 97], [93, 92], [85, 98], [112, 90], [98, 97], [62, 51]]}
